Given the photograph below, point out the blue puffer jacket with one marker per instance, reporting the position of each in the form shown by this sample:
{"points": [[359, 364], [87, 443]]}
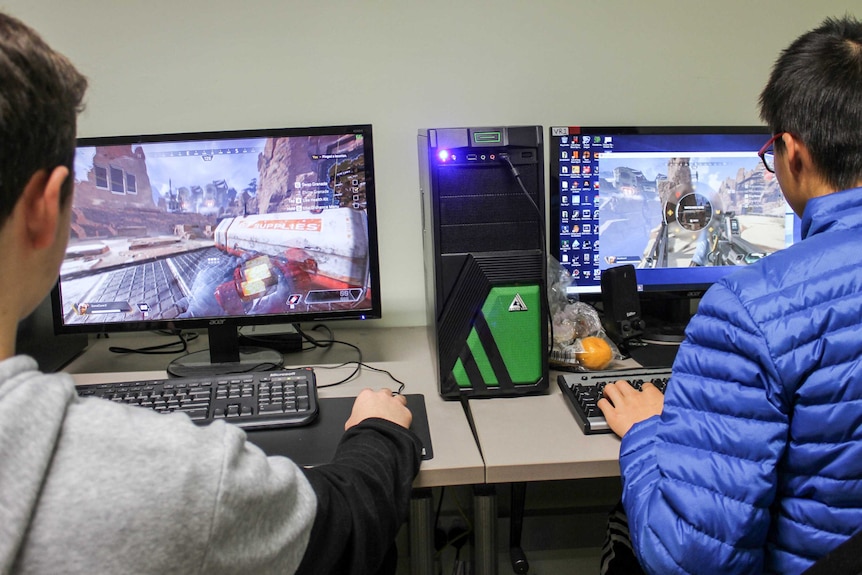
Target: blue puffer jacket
{"points": [[755, 465]]}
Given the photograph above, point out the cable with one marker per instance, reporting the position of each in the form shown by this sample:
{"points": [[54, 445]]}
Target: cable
{"points": [[439, 507], [456, 536], [160, 349], [327, 343], [353, 374], [542, 235], [392, 377], [317, 343], [518, 179]]}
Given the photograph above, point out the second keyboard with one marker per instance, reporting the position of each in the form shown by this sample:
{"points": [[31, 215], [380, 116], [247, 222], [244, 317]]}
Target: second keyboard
{"points": [[253, 400], [584, 389]]}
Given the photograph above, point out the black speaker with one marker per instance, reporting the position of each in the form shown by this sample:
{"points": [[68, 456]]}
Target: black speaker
{"points": [[483, 213], [622, 311]]}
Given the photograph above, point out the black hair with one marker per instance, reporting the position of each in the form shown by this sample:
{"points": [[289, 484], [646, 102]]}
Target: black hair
{"points": [[815, 93], [41, 94]]}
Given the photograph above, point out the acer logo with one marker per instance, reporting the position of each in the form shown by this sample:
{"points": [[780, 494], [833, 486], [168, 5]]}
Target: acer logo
{"points": [[217, 321]]}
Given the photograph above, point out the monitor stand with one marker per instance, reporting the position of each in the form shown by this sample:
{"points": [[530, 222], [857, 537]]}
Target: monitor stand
{"points": [[225, 356], [666, 318], [664, 332]]}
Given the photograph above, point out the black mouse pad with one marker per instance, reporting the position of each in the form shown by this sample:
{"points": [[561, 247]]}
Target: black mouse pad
{"points": [[315, 443]]}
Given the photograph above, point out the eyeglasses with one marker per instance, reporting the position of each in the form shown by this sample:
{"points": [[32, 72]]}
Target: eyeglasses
{"points": [[767, 155]]}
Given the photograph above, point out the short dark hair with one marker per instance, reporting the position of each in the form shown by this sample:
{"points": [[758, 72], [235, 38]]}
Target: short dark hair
{"points": [[815, 93], [41, 94]]}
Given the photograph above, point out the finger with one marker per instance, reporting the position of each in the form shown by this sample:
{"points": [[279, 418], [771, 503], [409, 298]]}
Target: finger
{"points": [[612, 392], [624, 387], [650, 387], [605, 405], [401, 398]]}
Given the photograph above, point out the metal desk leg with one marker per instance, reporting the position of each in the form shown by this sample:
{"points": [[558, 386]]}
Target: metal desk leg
{"points": [[516, 525], [421, 533], [485, 529]]}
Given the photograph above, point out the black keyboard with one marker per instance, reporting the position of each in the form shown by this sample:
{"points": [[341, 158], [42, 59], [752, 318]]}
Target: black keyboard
{"points": [[583, 390], [254, 400]]}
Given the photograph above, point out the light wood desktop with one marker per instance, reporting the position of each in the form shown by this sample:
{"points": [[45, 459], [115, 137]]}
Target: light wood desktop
{"points": [[536, 438]]}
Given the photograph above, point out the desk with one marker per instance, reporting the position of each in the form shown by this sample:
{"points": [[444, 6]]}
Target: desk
{"points": [[536, 438], [533, 438], [404, 352]]}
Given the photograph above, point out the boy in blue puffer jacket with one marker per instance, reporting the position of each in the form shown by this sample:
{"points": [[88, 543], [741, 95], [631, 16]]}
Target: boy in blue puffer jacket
{"points": [[752, 461]]}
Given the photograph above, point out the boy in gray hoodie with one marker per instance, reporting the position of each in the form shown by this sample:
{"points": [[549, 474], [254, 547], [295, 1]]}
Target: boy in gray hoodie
{"points": [[89, 486]]}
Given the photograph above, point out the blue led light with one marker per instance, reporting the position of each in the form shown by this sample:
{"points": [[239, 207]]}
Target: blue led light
{"points": [[443, 155]]}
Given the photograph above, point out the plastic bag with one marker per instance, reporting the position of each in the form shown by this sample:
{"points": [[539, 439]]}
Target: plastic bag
{"points": [[579, 341]]}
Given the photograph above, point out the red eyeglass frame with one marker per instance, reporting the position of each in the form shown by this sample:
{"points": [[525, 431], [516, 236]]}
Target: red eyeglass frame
{"points": [[765, 148]]}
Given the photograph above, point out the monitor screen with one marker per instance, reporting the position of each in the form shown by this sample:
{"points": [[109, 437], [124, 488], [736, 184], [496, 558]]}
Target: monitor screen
{"points": [[683, 205], [221, 230]]}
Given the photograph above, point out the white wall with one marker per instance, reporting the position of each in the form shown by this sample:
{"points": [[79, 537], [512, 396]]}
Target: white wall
{"points": [[195, 65]]}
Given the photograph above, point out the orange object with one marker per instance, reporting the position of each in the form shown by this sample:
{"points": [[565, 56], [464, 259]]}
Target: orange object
{"points": [[597, 353]]}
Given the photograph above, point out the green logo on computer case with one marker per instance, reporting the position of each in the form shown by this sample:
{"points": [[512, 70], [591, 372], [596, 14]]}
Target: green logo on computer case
{"points": [[503, 340]]}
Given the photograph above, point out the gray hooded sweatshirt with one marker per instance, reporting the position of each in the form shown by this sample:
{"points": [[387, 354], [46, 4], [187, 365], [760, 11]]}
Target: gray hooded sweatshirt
{"points": [[90, 486]]}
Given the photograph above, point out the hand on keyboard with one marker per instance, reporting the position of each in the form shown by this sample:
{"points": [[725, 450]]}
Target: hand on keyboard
{"points": [[623, 405], [584, 390]]}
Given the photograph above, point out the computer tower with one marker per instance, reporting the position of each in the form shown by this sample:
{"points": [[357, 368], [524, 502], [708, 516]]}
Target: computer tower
{"points": [[483, 212]]}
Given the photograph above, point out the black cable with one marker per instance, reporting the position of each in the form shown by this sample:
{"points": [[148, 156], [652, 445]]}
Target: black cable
{"points": [[518, 179], [317, 343], [327, 343], [160, 349], [542, 235], [353, 374], [439, 507], [392, 377]]}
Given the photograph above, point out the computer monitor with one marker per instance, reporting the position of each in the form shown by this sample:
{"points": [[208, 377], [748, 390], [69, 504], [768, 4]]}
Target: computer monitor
{"points": [[684, 205], [219, 230]]}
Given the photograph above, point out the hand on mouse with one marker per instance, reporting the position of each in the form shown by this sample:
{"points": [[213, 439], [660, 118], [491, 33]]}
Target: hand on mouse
{"points": [[628, 406], [381, 403]]}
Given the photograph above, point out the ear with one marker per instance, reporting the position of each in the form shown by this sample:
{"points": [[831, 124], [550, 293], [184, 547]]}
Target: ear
{"points": [[798, 158], [42, 203]]}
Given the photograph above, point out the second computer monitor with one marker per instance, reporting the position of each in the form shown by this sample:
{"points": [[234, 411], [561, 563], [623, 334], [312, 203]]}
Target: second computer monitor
{"points": [[683, 205]]}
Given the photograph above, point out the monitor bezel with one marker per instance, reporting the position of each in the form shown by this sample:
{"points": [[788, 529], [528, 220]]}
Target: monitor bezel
{"points": [[223, 322]]}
